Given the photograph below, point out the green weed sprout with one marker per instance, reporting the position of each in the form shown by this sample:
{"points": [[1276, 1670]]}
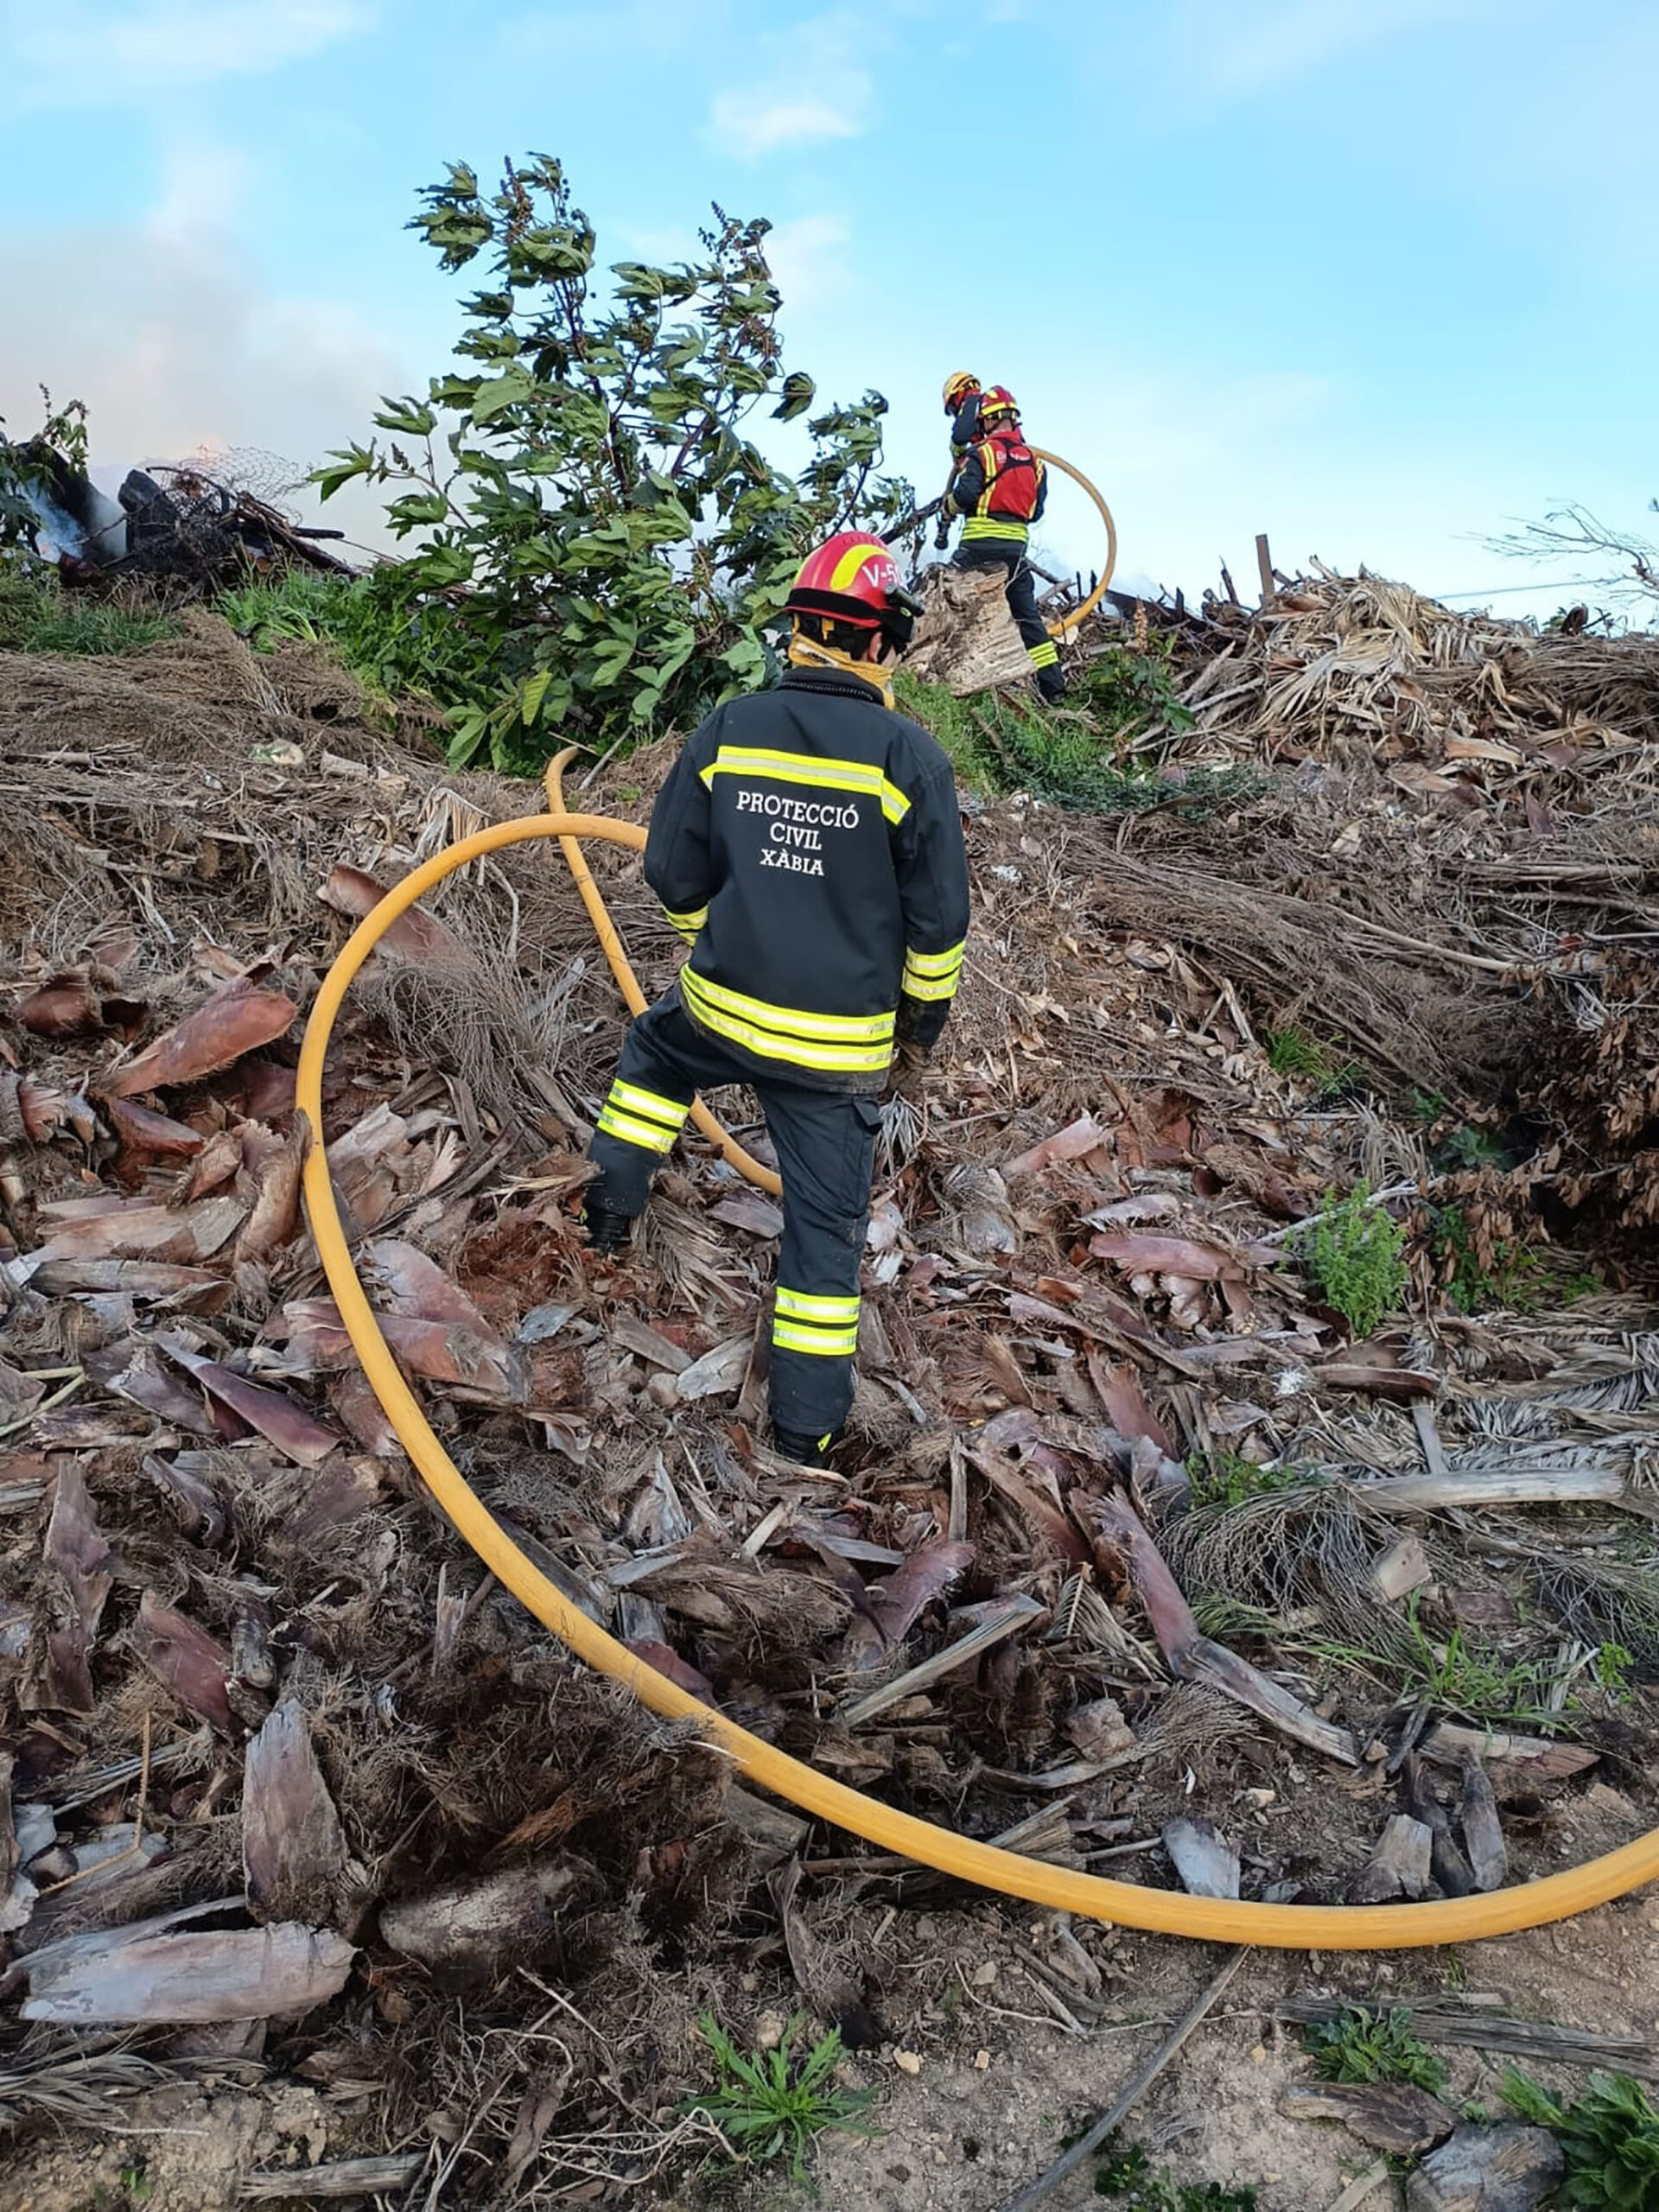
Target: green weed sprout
{"points": [[769, 2106], [1365, 2047]]}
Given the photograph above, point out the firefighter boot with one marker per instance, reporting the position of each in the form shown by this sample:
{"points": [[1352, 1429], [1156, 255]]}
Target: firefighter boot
{"points": [[607, 1232], [805, 1451]]}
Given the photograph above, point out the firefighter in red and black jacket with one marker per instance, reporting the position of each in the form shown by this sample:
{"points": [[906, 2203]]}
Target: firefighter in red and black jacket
{"points": [[1000, 488], [808, 844]]}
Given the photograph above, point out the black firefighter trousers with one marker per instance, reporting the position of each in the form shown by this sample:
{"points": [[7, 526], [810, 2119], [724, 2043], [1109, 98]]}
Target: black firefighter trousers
{"points": [[1009, 555], [825, 1141]]}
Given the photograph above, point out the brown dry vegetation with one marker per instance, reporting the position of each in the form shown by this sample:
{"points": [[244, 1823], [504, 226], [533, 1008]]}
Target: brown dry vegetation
{"points": [[1079, 1279]]}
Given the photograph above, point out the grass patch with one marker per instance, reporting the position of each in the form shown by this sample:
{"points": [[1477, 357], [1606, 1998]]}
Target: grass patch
{"points": [[998, 743], [1462, 1677], [1224, 1478], [1517, 1279], [38, 616], [1610, 2137], [1139, 2186], [771, 2105], [1293, 1053], [1354, 1254], [397, 644], [1363, 2046]]}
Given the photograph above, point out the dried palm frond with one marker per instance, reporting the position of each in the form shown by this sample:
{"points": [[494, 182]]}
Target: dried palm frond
{"points": [[70, 2088], [1605, 1601], [695, 1263], [1085, 1620], [1311, 1548]]}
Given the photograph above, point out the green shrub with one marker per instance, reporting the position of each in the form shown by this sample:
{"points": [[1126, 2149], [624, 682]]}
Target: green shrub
{"points": [[1353, 1253], [610, 542], [1129, 689], [1610, 2137]]}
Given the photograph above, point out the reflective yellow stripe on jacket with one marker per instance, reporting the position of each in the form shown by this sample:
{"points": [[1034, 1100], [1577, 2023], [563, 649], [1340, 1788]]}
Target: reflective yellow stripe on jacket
{"points": [[689, 925], [774, 767], [994, 526], [836, 1044], [932, 975]]}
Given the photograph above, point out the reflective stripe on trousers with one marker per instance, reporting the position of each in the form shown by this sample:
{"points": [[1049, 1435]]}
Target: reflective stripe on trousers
{"points": [[825, 1142]]}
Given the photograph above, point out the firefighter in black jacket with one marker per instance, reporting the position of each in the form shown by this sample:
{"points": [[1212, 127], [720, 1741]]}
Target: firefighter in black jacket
{"points": [[808, 844], [1000, 488]]}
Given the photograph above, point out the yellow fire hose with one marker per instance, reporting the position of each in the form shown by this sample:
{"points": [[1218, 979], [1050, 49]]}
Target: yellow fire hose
{"points": [[1345, 1927], [1069, 622]]}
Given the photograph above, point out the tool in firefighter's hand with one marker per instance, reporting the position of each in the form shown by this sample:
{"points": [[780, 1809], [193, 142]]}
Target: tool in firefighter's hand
{"points": [[942, 535], [913, 523]]}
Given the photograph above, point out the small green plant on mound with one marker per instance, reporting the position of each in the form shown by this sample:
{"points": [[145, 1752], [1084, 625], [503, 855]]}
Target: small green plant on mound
{"points": [[1293, 1053], [1224, 1478], [1363, 2046], [1353, 1253], [1462, 1677], [1614, 1666], [1140, 2187], [1130, 689], [1610, 2137], [769, 2106]]}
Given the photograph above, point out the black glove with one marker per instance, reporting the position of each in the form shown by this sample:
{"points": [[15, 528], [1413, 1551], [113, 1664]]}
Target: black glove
{"points": [[906, 1072]]}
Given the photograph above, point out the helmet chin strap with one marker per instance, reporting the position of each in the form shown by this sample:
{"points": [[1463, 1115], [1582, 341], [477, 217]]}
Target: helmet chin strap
{"points": [[807, 652]]}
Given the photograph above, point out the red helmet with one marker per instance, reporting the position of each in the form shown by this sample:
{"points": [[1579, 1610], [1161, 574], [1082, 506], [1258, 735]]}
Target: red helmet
{"points": [[852, 577], [999, 400]]}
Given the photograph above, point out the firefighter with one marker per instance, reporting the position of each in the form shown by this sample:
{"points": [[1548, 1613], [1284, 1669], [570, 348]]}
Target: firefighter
{"points": [[1000, 488], [961, 397], [808, 845]]}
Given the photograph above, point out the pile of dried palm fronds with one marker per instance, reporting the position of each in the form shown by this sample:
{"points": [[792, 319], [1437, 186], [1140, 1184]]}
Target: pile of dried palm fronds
{"points": [[1125, 1516]]}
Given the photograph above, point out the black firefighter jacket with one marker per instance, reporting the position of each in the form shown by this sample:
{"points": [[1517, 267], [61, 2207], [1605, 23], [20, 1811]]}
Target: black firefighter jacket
{"points": [[808, 842]]}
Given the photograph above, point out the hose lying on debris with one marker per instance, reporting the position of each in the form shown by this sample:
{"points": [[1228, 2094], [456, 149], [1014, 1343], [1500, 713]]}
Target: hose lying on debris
{"points": [[1287, 1927]]}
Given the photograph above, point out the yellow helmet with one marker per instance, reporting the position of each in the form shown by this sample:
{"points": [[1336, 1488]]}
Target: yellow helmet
{"points": [[956, 388]]}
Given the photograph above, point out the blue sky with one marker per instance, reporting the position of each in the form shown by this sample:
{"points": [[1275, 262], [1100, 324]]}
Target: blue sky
{"points": [[1375, 276]]}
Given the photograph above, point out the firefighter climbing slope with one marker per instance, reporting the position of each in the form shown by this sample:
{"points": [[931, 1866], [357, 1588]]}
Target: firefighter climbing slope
{"points": [[1000, 488], [808, 844]]}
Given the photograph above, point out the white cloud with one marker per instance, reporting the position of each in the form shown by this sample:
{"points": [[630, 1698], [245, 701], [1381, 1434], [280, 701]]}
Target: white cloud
{"points": [[175, 346], [643, 30], [809, 257], [807, 92], [104, 51], [1241, 50], [201, 190]]}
